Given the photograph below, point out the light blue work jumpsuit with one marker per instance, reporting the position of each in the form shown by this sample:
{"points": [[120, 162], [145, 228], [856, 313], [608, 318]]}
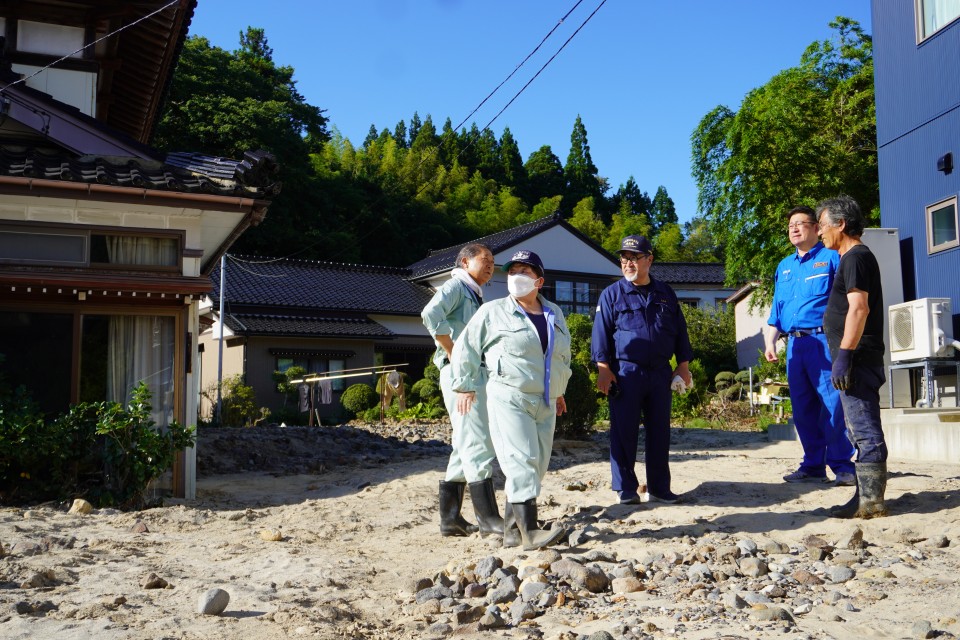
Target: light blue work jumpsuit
{"points": [[524, 383], [447, 313]]}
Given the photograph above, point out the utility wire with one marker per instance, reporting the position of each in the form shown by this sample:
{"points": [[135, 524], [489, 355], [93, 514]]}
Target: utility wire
{"points": [[545, 64], [529, 82], [109, 35], [517, 68]]}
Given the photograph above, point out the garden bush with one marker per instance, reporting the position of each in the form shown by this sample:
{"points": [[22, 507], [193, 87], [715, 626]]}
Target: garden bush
{"points": [[724, 379], [581, 398], [102, 451], [358, 398]]}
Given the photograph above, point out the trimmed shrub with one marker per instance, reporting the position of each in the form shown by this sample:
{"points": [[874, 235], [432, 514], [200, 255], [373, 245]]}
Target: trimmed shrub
{"points": [[358, 398], [724, 379], [581, 398], [426, 391]]}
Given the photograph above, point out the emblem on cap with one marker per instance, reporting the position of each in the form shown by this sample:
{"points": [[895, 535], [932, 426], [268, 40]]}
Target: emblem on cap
{"points": [[521, 255], [630, 242]]}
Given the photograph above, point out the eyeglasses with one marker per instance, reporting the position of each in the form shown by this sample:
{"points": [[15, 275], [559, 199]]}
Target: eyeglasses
{"points": [[635, 259], [798, 225]]}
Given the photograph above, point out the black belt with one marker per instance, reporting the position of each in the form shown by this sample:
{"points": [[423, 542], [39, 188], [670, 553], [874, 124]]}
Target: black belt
{"points": [[805, 332]]}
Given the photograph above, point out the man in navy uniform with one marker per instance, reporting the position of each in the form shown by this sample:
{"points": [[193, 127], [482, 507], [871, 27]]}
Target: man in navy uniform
{"points": [[802, 286], [638, 327]]}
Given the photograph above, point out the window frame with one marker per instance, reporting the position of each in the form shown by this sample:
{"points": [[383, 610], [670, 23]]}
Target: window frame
{"points": [[929, 210], [576, 287], [85, 236], [920, 22]]}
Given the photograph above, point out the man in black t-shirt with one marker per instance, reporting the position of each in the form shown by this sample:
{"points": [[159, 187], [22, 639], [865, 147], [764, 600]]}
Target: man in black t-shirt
{"points": [[853, 322]]}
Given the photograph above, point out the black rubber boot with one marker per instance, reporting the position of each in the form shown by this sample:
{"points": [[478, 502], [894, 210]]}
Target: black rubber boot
{"points": [[485, 507], [451, 500], [872, 482], [849, 508], [533, 537], [511, 534], [867, 502]]}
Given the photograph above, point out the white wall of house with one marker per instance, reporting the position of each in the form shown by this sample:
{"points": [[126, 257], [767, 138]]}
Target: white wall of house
{"points": [[749, 330], [70, 86]]}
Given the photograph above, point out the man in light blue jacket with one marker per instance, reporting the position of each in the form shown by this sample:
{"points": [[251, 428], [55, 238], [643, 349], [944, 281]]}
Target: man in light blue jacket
{"points": [[471, 460], [524, 342]]}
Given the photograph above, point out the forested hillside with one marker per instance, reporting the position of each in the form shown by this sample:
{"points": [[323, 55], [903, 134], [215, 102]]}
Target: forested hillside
{"points": [[413, 186], [408, 187]]}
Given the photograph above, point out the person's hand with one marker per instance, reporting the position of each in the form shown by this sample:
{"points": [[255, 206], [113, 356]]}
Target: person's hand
{"points": [[841, 374], [605, 378], [683, 370], [561, 406], [465, 401], [771, 354]]}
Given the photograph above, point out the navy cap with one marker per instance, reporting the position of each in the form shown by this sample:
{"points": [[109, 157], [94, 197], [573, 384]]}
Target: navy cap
{"points": [[636, 244], [526, 257]]}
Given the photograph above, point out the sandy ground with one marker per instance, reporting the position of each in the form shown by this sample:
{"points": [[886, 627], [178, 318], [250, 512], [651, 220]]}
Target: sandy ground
{"points": [[353, 541]]}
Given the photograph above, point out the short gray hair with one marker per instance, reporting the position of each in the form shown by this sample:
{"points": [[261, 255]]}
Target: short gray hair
{"points": [[471, 250], [843, 208]]}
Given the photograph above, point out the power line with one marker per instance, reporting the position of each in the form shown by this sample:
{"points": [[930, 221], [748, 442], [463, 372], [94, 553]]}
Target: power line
{"points": [[545, 64], [522, 89], [517, 68]]}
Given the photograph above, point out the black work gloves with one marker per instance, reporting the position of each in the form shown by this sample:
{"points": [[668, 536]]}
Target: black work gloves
{"points": [[842, 372]]}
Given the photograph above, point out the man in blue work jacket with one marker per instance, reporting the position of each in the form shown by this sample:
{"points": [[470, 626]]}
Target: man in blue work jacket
{"points": [[802, 286], [638, 327]]}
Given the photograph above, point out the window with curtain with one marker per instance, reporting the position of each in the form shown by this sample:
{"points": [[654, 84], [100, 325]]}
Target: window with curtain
{"points": [[933, 15], [316, 365], [141, 348], [137, 250], [942, 226]]}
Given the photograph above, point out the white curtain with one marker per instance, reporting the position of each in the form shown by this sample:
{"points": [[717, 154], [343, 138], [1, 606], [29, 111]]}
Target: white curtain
{"points": [[938, 13], [135, 250], [141, 348]]}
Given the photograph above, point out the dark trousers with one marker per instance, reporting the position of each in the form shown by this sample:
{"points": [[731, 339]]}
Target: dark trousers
{"points": [[645, 397], [817, 410], [861, 409]]}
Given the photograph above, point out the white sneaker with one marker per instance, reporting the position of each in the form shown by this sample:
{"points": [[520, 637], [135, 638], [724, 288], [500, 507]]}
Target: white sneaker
{"points": [[845, 480]]}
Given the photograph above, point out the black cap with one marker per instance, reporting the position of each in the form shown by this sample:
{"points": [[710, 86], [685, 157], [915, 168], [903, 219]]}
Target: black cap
{"points": [[636, 244], [526, 257]]}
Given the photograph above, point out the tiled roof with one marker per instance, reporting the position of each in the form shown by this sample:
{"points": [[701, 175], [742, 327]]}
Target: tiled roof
{"points": [[252, 177], [265, 324], [444, 259], [689, 272], [320, 286]]}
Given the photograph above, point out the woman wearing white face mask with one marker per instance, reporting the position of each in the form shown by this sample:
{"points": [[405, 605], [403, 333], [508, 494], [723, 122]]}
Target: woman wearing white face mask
{"points": [[524, 341]]}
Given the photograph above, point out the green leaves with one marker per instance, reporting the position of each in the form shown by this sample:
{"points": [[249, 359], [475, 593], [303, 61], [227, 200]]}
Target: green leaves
{"points": [[807, 134]]}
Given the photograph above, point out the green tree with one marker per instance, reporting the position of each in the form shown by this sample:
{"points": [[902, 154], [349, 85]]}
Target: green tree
{"points": [[580, 172], [699, 244], [544, 175], [625, 223], [511, 163], [585, 220], [637, 202], [426, 135], [662, 210], [807, 134], [668, 244], [400, 133], [226, 103]]}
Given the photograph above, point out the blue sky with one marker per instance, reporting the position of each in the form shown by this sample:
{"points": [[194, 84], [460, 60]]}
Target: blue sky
{"points": [[640, 74]]}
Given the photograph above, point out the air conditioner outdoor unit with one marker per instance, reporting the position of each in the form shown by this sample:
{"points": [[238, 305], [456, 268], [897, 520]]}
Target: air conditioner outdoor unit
{"points": [[918, 329]]}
